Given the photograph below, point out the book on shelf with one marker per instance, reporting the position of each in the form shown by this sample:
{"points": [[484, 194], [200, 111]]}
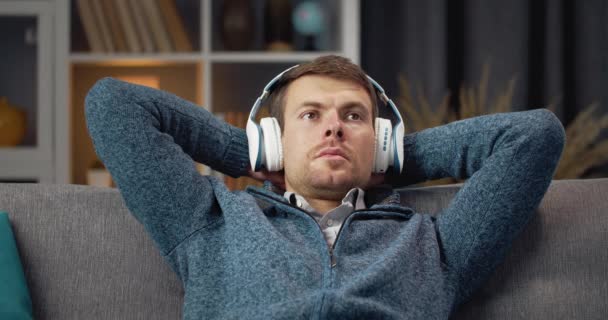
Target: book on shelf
{"points": [[175, 25], [127, 21], [159, 32], [133, 26], [114, 24], [101, 21], [90, 26], [141, 26]]}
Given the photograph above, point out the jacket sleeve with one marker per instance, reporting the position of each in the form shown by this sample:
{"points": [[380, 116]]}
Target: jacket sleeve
{"points": [[509, 160], [148, 140]]}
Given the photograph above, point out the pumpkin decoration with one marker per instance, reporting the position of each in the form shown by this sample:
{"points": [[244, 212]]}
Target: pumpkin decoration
{"points": [[12, 124]]}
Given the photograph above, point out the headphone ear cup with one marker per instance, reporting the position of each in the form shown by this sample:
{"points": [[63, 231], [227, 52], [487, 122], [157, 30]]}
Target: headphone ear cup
{"points": [[273, 149], [254, 134], [383, 152]]}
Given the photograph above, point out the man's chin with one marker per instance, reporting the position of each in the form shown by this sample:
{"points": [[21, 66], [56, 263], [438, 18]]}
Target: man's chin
{"points": [[332, 181]]}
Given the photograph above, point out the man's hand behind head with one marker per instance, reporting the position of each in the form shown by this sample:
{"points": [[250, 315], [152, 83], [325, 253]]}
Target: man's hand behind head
{"points": [[277, 178]]}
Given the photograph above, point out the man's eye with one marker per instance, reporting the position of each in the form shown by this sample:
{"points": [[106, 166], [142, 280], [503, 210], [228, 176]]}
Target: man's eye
{"points": [[353, 116], [309, 115]]}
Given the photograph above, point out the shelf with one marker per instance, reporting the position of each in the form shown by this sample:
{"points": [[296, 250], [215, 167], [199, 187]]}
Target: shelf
{"points": [[134, 58], [222, 56], [266, 56], [14, 154], [24, 162]]}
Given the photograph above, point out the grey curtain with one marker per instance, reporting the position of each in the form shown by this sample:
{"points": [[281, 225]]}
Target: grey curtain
{"points": [[557, 50]]}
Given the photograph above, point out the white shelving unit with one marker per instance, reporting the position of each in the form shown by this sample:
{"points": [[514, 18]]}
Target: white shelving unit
{"points": [[213, 69], [33, 160]]}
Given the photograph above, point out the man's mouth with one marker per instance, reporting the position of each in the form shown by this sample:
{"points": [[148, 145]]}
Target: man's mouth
{"points": [[332, 153]]}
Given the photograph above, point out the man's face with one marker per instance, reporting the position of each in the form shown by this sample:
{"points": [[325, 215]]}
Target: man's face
{"points": [[328, 137]]}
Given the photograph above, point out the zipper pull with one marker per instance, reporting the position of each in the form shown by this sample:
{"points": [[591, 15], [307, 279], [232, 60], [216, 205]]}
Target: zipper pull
{"points": [[332, 257]]}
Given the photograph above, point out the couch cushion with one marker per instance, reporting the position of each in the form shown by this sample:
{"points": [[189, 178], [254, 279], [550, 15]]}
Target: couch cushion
{"points": [[556, 269], [15, 300], [86, 257]]}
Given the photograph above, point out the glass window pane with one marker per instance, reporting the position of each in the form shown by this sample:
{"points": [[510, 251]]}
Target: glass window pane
{"points": [[18, 80]]}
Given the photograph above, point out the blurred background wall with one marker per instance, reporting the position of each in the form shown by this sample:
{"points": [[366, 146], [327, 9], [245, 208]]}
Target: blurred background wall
{"points": [[554, 51]]}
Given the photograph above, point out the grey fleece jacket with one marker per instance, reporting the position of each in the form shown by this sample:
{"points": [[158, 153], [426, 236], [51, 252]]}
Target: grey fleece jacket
{"points": [[251, 255]]}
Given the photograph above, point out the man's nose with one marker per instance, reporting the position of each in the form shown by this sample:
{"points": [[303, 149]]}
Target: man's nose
{"points": [[334, 127], [334, 131]]}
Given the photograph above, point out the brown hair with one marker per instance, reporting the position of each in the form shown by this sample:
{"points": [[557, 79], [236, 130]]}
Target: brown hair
{"points": [[332, 66]]}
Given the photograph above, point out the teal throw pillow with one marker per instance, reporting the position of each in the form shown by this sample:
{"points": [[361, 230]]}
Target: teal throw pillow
{"points": [[15, 302]]}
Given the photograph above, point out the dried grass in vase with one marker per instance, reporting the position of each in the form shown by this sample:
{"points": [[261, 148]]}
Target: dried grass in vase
{"points": [[582, 152], [419, 114]]}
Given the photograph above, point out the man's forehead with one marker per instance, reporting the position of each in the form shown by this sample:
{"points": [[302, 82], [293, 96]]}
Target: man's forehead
{"points": [[313, 88]]}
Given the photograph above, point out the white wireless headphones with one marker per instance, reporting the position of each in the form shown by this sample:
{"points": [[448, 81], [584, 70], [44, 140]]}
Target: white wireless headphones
{"points": [[265, 149]]}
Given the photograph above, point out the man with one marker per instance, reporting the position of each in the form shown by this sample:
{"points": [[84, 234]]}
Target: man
{"points": [[336, 242]]}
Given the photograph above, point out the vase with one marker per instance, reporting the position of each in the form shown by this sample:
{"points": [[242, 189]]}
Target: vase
{"points": [[12, 124]]}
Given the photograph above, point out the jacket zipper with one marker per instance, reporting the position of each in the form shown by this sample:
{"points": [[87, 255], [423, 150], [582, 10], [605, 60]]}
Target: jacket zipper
{"points": [[333, 246], [330, 251], [332, 258]]}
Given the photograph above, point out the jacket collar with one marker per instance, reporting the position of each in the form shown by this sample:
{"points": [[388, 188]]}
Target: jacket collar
{"points": [[376, 196]]}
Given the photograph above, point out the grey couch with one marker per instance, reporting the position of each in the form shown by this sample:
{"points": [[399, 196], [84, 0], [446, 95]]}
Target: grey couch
{"points": [[86, 257]]}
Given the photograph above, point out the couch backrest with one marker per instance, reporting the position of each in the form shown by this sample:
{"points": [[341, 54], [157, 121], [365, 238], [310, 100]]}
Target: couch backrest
{"points": [[557, 268], [86, 257]]}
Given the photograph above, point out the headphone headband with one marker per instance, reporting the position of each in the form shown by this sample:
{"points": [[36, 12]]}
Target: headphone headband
{"points": [[266, 92]]}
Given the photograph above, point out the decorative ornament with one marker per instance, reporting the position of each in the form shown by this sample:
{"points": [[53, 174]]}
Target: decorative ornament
{"points": [[12, 124], [309, 20]]}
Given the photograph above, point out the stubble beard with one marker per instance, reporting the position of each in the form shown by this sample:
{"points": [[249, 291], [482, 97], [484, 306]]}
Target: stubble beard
{"points": [[323, 183]]}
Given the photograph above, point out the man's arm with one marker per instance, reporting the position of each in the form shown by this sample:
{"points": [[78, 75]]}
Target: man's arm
{"points": [[148, 139], [509, 160]]}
